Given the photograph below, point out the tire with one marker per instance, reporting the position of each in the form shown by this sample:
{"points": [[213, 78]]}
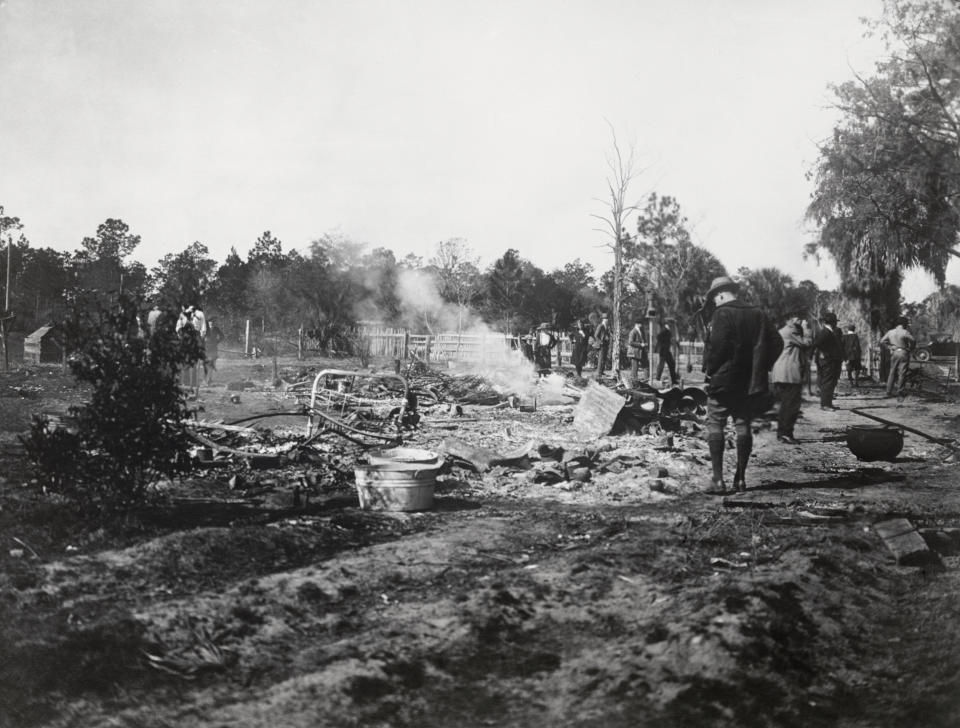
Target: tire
{"points": [[922, 355]]}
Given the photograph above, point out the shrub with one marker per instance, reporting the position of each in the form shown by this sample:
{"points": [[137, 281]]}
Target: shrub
{"points": [[131, 431]]}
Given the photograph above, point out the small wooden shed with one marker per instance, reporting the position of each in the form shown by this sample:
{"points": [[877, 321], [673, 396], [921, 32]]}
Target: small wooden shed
{"points": [[45, 345]]}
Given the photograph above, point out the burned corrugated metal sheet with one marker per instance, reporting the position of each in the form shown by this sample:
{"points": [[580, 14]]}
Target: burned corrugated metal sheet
{"points": [[597, 410]]}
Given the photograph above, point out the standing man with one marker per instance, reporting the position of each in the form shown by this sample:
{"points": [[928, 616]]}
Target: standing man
{"points": [[153, 318], [900, 342], [743, 346], [665, 354], [580, 340], [787, 373], [602, 337], [542, 349], [192, 322], [852, 353], [212, 349], [635, 346], [829, 348]]}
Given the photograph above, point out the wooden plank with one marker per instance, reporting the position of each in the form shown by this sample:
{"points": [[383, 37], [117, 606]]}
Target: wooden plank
{"points": [[597, 410], [906, 544], [893, 528]]}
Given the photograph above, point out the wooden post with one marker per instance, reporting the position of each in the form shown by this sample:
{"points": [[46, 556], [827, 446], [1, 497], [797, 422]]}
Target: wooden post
{"points": [[246, 340], [6, 304], [650, 353], [300, 342], [406, 344]]}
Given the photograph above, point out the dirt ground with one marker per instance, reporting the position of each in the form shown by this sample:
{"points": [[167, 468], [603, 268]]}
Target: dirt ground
{"points": [[630, 599]]}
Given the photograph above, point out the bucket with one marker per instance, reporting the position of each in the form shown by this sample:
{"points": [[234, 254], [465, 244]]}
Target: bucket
{"points": [[395, 486], [871, 443]]}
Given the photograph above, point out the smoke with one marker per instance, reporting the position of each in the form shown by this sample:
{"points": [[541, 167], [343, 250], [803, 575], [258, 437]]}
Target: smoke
{"points": [[424, 309], [421, 306]]}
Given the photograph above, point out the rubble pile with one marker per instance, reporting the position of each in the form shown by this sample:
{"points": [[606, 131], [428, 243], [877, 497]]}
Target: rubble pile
{"points": [[542, 432]]}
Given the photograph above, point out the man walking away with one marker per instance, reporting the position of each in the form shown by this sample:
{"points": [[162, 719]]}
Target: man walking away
{"points": [[602, 336], [787, 374], [900, 342], [743, 346], [665, 354], [852, 353], [829, 348]]}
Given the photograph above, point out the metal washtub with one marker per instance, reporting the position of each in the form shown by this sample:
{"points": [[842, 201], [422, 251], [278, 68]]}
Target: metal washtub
{"points": [[404, 481]]}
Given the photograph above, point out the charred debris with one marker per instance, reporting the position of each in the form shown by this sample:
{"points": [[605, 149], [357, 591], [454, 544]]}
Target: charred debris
{"points": [[325, 423]]}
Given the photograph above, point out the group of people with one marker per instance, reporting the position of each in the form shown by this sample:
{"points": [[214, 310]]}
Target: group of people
{"points": [[745, 355], [596, 343], [192, 317]]}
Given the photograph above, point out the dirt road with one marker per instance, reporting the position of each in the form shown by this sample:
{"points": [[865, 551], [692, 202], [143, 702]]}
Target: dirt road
{"points": [[630, 599]]}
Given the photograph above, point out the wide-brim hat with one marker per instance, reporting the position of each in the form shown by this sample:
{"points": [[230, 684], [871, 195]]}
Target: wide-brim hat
{"points": [[829, 318], [722, 283], [543, 326]]}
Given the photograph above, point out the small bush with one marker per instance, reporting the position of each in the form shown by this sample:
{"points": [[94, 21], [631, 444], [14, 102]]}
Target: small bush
{"points": [[132, 429]]}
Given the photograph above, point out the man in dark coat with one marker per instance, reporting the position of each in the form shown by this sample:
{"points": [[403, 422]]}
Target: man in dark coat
{"points": [[665, 352], [829, 346], [602, 341], [743, 347], [852, 353], [580, 341]]}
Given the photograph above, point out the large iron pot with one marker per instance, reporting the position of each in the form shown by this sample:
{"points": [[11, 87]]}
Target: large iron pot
{"points": [[871, 443]]}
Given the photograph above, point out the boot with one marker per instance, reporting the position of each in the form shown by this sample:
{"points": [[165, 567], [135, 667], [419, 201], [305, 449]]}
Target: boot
{"points": [[744, 448], [716, 460]]}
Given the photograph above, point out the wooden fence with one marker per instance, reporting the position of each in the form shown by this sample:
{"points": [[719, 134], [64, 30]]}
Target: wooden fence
{"points": [[481, 348], [477, 348]]}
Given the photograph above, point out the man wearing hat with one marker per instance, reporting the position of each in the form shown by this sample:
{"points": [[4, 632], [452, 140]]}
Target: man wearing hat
{"points": [[602, 338], [852, 354], [580, 340], [787, 373], [743, 346], [900, 342], [542, 347], [829, 346], [636, 343]]}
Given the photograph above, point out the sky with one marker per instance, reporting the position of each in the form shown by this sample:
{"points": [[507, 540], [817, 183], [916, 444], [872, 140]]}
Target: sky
{"points": [[401, 124]]}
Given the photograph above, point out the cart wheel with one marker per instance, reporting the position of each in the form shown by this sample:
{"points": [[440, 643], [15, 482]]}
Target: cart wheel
{"points": [[922, 355]]}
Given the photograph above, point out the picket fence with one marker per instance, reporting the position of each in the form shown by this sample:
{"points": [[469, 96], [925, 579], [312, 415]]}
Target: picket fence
{"points": [[443, 347]]}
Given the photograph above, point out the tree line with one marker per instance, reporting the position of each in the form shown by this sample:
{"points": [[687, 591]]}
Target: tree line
{"points": [[337, 282]]}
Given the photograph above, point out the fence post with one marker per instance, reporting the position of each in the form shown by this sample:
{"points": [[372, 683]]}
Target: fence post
{"points": [[246, 340]]}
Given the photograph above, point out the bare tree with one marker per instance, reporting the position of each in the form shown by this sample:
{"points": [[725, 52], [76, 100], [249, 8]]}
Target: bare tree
{"points": [[8, 225], [457, 273], [623, 170]]}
